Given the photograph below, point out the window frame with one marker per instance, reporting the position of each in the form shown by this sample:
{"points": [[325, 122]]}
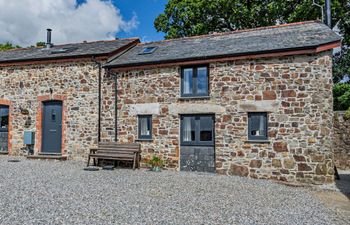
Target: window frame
{"points": [[4, 108], [258, 138], [194, 82], [149, 120], [197, 141]]}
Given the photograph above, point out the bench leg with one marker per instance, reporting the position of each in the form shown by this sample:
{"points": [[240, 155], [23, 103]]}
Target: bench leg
{"points": [[88, 163], [94, 162], [134, 163]]}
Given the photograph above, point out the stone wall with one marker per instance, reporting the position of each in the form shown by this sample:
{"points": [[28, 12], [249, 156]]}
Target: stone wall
{"points": [[295, 91], [341, 143], [74, 83]]}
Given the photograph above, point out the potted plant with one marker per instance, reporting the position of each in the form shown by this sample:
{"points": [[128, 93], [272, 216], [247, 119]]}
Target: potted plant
{"points": [[156, 163]]}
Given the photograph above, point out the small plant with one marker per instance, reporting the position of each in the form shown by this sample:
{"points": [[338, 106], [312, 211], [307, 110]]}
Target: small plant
{"points": [[155, 163], [347, 114]]}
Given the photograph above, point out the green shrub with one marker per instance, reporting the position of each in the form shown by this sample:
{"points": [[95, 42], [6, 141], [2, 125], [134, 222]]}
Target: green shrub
{"points": [[156, 162], [341, 95], [347, 114]]}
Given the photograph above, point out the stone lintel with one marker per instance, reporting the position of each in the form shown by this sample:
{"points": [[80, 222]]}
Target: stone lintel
{"points": [[145, 109], [189, 108], [258, 106]]}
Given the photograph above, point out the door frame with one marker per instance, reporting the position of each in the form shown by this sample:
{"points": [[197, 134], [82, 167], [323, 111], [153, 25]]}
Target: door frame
{"points": [[8, 103], [39, 121], [180, 135]]}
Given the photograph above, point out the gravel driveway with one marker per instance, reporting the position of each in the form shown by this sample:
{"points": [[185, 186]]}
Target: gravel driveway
{"points": [[51, 192]]}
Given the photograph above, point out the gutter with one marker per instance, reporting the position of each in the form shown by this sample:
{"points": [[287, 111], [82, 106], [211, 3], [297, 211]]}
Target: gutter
{"points": [[99, 96]]}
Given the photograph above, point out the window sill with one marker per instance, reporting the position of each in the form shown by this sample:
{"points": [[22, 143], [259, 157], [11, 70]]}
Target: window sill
{"points": [[258, 141], [194, 97], [148, 140]]}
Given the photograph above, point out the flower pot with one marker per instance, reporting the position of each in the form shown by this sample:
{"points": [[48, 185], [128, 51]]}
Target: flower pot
{"points": [[156, 169]]}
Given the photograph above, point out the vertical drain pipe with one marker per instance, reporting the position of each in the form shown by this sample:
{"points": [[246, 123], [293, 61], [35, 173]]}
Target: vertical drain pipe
{"points": [[99, 97], [116, 107]]}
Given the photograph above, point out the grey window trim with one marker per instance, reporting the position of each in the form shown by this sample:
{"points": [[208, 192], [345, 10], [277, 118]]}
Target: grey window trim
{"points": [[194, 81], [149, 121], [250, 126], [196, 120]]}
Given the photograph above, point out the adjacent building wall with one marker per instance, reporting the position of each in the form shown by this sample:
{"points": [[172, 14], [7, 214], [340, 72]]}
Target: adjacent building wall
{"points": [[75, 83], [295, 91], [341, 141]]}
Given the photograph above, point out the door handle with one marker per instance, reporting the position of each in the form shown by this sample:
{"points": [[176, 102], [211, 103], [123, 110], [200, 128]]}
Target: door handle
{"points": [[51, 130]]}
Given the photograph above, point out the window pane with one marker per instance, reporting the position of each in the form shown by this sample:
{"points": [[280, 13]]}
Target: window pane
{"points": [[187, 81], [4, 117], [206, 128], [145, 129], [257, 126], [202, 80], [188, 129]]}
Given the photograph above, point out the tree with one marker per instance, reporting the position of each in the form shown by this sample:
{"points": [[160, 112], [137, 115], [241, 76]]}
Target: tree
{"points": [[195, 17], [341, 65], [7, 46], [341, 94]]}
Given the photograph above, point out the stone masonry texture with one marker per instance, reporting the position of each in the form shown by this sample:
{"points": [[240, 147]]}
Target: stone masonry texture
{"points": [[295, 91], [341, 141], [76, 83]]}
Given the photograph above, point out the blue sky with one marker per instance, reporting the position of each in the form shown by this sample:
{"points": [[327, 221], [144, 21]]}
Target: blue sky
{"points": [[146, 11], [24, 22]]}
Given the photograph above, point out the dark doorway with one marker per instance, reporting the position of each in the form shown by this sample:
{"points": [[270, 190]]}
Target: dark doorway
{"points": [[197, 143], [4, 128], [52, 127]]}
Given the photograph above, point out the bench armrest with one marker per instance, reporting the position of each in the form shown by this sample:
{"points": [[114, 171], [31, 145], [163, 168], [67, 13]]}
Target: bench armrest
{"points": [[93, 150]]}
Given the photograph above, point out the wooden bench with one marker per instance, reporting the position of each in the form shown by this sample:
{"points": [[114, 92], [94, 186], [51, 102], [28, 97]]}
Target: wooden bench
{"points": [[116, 151]]}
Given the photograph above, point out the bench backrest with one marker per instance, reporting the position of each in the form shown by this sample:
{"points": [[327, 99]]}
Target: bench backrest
{"points": [[118, 148]]}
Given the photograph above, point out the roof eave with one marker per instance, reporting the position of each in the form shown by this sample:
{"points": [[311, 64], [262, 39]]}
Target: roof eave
{"points": [[246, 55], [72, 57]]}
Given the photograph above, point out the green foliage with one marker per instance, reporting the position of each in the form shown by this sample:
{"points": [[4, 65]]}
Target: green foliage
{"points": [[40, 44], [195, 17], [341, 65], [7, 46], [347, 114], [156, 162], [341, 94]]}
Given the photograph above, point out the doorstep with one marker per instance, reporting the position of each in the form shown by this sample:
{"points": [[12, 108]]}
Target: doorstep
{"points": [[49, 157]]}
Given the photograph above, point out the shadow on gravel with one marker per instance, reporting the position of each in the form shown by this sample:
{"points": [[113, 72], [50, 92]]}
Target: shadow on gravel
{"points": [[344, 183]]}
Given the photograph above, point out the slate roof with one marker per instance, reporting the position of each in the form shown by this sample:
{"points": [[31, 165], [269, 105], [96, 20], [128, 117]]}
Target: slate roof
{"points": [[304, 35], [73, 50]]}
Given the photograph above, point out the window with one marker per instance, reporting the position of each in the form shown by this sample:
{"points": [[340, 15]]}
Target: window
{"points": [[194, 81], [257, 126], [197, 130], [4, 117], [145, 127], [148, 50]]}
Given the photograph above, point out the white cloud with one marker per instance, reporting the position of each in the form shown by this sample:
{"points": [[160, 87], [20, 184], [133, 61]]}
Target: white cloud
{"points": [[24, 22]]}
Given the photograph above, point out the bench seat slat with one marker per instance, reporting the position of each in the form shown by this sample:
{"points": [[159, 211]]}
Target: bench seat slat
{"points": [[117, 151]]}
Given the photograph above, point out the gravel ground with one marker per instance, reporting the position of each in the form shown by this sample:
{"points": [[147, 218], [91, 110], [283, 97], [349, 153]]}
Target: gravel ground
{"points": [[51, 192]]}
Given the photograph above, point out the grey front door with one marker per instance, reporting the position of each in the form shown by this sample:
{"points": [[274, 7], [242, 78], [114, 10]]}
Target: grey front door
{"points": [[52, 127], [4, 123], [197, 152]]}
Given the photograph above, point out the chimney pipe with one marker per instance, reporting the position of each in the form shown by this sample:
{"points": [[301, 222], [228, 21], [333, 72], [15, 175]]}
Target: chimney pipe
{"points": [[48, 41], [328, 13]]}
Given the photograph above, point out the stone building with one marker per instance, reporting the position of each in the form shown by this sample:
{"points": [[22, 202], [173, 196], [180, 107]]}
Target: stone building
{"points": [[341, 141], [53, 93], [254, 103]]}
